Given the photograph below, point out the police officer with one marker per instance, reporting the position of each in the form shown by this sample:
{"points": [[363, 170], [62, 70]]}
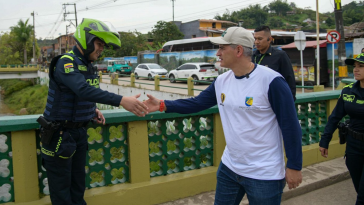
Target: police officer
{"points": [[350, 102], [273, 58], [71, 105]]}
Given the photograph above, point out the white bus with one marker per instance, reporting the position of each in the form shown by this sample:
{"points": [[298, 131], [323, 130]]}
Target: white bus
{"points": [[193, 44]]}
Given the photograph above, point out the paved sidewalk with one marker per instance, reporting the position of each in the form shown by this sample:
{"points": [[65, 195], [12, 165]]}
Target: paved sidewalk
{"points": [[332, 176]]}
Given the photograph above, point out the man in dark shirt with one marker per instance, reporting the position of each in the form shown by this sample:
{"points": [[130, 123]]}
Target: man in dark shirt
{"points": [[273, 58]]}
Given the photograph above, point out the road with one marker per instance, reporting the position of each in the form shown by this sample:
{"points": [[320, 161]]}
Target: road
{"points": [[139, 83]]}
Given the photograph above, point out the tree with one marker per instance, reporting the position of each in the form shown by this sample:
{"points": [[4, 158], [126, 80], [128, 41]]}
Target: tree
{"points": [[23, 33], [9, 47], [280, 7], [165, 31], [131, 43]]}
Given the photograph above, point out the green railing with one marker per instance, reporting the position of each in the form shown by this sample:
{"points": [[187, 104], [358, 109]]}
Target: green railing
{"points": [[174, 143], [6, 169]]}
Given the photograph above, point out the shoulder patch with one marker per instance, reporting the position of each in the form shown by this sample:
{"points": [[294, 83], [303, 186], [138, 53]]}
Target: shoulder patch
{"points": [[68, 67], [82, 68], [349, 86], [67, 56]]}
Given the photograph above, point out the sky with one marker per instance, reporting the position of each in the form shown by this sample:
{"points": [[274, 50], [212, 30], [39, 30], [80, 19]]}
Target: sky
{"points": [[125, 15]]}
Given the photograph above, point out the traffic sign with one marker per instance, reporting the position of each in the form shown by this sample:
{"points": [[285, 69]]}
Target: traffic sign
{"points": [[333, 37], [300, 40]]}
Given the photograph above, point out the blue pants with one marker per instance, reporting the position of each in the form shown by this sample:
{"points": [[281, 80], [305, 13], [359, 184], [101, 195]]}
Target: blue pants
{"points": [[66, 177], [355, 165], [231, 188]]}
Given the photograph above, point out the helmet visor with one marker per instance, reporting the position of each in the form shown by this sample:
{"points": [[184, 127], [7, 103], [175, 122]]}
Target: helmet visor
{"points": [[107, 33]]}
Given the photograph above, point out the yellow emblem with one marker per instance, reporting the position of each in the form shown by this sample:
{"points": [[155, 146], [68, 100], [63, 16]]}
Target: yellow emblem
{"points": [[222, 97], [249, 101]]}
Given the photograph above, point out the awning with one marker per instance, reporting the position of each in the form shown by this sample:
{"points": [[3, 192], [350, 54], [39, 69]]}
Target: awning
{"points": [[309, 44]]}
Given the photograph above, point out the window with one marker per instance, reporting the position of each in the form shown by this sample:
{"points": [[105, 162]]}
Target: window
{"points": [[213, 25], [193, 36]]}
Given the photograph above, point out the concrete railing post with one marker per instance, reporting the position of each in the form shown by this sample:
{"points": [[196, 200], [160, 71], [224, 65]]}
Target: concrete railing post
{"points": [[318, 88], [114, 78], [100, 76], [138, 151], [190, 86], [25, 165], [156, 83], [132, 80]]}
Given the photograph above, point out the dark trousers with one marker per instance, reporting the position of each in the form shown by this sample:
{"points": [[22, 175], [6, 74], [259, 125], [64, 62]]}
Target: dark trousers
{"points": [[66, 177], [355, 165]]}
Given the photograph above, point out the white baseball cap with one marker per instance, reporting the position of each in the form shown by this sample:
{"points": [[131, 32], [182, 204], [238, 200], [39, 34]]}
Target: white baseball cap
{"points": [[235, 35]]}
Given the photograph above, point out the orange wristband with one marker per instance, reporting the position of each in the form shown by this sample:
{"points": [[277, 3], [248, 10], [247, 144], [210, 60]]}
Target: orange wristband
{"points": [[161, 106]]}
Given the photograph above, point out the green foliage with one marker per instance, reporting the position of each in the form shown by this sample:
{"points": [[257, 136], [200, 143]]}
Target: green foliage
{"points": [[131, 43], [171, 146], [187, 161], [94, 134], [171, 164], [280, 7], [188, 142], [116, 153], [117, 173], [96, 156], [154, 166], [165, 31], [96, 177], [22, 94], [23, 33], [115, 133], [154, 147], [255, 15]]}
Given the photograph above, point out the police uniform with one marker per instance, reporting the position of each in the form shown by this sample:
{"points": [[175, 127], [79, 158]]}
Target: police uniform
{"points": [[350, 102], [72, 96]]}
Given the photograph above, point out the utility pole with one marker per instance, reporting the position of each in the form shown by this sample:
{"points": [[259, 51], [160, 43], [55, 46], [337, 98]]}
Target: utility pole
{"points": [[65, 13], [173, 8], [343, 69], [35, 61], [67, 37]]}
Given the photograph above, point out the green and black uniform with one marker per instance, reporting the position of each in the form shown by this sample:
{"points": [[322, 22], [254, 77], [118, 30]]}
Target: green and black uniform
{"points": [[350, 102]]}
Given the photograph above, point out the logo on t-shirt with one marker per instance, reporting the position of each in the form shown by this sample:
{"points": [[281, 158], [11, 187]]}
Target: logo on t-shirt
{"points": [[222, 97], [249, 101]]}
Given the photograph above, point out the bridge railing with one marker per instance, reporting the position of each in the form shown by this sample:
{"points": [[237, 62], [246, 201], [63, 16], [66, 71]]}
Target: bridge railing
{"points": [[144, 160]]}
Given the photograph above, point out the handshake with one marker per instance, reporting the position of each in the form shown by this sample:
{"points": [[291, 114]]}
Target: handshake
{"points": [[132, 104]]}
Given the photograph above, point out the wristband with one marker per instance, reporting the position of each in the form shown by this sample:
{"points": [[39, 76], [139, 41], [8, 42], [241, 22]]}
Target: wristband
{"points": [[161, 106]]}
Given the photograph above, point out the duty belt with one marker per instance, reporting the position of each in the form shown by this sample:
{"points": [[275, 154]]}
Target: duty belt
{"points": [[72, 125], [356, 135]]}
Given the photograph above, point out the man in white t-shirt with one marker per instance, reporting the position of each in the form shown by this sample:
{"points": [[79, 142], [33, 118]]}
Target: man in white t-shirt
{"points": [[257, 111]]}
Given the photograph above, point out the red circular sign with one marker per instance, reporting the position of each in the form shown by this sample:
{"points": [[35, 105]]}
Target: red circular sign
{"points": [[333, 37]]}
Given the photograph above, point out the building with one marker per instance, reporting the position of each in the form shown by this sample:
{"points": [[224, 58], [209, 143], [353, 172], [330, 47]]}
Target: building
{"points": [[203, 28]]}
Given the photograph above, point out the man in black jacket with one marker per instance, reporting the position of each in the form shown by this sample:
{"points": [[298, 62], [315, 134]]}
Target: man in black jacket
{"points": [[273, 58]]}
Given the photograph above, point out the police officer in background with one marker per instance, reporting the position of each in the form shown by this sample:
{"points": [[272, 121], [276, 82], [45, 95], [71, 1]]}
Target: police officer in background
{"points": [[350, 102], [71, 105], [272, 57]]}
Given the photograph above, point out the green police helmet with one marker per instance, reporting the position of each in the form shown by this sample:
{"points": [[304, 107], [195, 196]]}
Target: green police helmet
{"points": [[90, 29]]}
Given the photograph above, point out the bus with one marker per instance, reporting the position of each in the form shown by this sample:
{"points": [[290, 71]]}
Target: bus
{"points": [[193, 44]]}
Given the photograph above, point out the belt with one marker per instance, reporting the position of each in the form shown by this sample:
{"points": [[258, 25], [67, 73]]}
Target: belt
{"points": [[68, 124], [356, 135]]}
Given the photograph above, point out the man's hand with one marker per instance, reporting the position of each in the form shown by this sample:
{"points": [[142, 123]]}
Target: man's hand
{"points": [[100, 119], [293, 178], [133, 105], [324, 152], [152, 103]]}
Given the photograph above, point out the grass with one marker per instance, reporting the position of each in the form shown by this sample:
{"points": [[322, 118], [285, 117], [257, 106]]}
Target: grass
{"points": [[23, 94]]}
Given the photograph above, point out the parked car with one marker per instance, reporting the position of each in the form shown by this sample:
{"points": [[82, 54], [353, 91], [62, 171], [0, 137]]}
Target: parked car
{"points": [[198, 71], [101, 67], [119, 66], [149, 70]]}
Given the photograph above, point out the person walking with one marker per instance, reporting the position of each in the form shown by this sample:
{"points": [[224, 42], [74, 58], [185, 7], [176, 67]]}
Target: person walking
{"points": [[351, 103], [71, 105], [256, 115]]}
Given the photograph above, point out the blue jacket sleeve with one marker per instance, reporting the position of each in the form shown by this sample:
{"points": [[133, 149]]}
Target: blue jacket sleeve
{"points": [[337, 114], [76, 82], [204, 100], [284, 108]]}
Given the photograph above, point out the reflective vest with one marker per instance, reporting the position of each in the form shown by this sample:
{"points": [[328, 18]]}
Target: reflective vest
{"points": [[62, 103]]}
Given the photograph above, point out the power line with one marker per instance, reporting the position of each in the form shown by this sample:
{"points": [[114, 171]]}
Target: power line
{"points": [[60, 14]]}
